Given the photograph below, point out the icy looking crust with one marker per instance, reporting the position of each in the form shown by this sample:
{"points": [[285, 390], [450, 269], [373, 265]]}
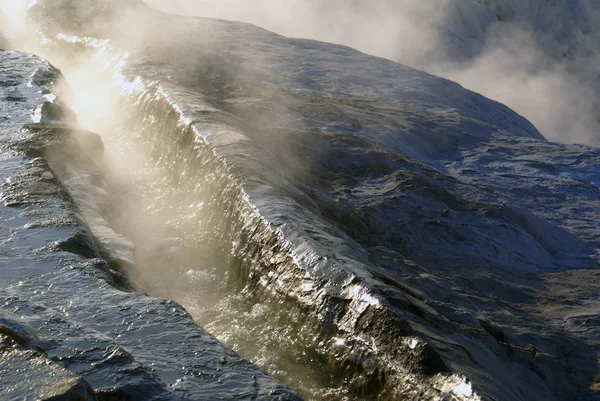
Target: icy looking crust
{"points": [[70, 327], [440, 246]]}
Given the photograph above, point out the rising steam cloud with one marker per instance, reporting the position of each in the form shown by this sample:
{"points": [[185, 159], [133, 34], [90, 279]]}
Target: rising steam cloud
{"points": [[537, 64]]}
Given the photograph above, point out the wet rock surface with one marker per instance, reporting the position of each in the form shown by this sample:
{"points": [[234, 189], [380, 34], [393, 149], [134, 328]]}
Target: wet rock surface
{"points": [[68, 330], [438, 245], [27, 372]]}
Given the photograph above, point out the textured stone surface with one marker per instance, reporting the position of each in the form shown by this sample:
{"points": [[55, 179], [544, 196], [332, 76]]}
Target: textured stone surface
{"points": [[374, 201], [26, 371], [68, 323]]}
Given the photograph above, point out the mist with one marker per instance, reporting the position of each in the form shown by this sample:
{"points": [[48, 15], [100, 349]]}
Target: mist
{"points": [[543, 70], [195, 233]]}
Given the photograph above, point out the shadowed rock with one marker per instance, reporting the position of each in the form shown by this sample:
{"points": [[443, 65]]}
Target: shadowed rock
{"points": [[80, 244], [50, 112]]}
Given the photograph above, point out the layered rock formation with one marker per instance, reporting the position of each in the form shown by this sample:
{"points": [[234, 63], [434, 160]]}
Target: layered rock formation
{"points": [[436, 245], [72, 328]]}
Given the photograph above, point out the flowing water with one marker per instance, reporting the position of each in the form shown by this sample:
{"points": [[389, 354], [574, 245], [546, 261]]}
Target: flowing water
{"points": [[178, 258], [308, 205], [180, 254]]}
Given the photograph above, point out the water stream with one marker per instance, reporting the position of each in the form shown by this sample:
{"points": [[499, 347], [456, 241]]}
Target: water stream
{"points": [[180, 251], [178, 258], [311, 207]]}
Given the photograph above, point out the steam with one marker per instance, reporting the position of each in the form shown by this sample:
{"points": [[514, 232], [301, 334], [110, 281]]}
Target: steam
{"points": [[486, 47], [518, 74], [12, 16], [401, 29], [164, 216]]}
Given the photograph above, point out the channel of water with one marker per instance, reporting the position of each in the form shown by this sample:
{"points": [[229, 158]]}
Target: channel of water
{"points": [[180, 252]]}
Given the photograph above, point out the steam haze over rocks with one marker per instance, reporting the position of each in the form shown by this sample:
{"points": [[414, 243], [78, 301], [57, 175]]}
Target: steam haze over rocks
{"points": [[539, 57], [206, 209]]}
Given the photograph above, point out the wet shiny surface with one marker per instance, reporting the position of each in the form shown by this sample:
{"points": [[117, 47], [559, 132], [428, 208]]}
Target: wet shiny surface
{"points": [[259, 174], [82, 315]]}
